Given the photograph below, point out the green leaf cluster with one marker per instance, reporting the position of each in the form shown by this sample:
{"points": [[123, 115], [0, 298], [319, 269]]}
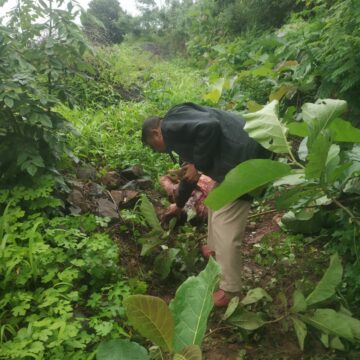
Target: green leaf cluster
{"points": [[329, 324], [178, 329], [61, 288], [32, 132]]}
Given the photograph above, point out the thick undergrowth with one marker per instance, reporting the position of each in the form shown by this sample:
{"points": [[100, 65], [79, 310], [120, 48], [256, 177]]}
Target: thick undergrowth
{"points": [[87, 268]]}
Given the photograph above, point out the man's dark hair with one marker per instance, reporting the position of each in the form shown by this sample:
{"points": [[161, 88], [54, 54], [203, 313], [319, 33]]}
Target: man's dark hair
{"points": [[153, 122]]}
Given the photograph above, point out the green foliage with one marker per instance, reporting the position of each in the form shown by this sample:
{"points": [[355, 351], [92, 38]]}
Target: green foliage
{"points": [[150, 316], [149, 214], [192, 305], [177, 250], [61, 287], [326, 286], [273, 250], [37, 197], [325, 44], [36, 56], [264, 126], [332, 324], [255, 295], [191, 352], [62, 291], [106, 22], [319, 116], [121, 349], [238, 182], [103, 130], [327, 169], [312, 56], [180, 328], [323, 177]]}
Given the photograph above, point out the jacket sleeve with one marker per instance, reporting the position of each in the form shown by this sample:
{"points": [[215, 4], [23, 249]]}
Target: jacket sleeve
{"points": [[183, 193]]}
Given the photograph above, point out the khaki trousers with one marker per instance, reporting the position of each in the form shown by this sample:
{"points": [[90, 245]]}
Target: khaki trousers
{"points": [[226, 229]]}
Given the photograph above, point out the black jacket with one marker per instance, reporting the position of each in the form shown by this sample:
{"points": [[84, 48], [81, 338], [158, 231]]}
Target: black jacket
{"points": [[211, 139]]}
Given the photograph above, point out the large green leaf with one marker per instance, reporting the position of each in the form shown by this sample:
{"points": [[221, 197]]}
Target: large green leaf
{"points": [[299, 303], [279, 93], [335, 343], [191, 352], [192, 305], [265, 127], [300, 330], [151, 317], [327, 285], [354, 153], [343, 131], [118, 349], [332, 167], [296, 178], [247, 320], [297, 195], [164, 261], [244, 178], [148, 212], [306, 221], [216, 90], [319, 116], [317, 157], [255, 295], [150, 242], [298, 129], [323, 110], [233, 305], [334, 323]]}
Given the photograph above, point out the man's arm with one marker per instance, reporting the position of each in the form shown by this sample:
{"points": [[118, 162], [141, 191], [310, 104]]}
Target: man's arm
{"points": [[182, 196], [184, 192]]}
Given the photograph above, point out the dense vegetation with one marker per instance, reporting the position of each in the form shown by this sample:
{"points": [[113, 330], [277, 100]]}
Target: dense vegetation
{"points": [[74, 97]]}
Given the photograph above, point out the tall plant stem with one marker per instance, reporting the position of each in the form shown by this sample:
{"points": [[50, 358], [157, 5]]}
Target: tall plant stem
{"points": [[295, 162], [271, 211], [347, 210], [277, 320]]}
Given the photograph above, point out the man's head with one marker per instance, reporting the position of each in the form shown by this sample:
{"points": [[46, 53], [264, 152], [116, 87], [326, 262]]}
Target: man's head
{"points": [[152, 135]]}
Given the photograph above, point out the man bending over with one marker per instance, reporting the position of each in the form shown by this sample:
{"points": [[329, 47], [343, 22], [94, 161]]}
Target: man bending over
{"points": [[212, 142]]}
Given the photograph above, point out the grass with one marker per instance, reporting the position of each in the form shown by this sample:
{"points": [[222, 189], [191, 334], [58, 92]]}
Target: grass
{"points": [[111, 136]]}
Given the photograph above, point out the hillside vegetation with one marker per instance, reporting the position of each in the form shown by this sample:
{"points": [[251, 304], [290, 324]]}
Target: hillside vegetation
{"points": [[87, 269]]}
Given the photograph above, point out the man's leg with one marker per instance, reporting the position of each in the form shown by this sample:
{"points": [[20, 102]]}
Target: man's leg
{"points": [[227, 229]]}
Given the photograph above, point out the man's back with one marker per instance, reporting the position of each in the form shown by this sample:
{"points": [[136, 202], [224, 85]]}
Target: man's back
{"points": [[213, 140]]}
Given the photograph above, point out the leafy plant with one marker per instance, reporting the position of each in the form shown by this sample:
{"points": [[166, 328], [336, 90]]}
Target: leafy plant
{"points": [[37, 52], [178, 329], [180, 249], [323, 174], [330, 325], [61, 287]]}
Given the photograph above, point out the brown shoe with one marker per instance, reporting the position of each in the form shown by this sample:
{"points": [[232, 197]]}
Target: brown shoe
{"points": [[206, 252], [222, 298]]}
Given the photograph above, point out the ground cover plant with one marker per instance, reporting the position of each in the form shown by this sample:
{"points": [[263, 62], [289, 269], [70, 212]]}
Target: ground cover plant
{"points": [[60, 281], [77, 285]]}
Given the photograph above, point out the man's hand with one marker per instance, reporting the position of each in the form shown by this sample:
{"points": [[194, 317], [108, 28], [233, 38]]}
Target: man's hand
{"points": [[172, 210], [191, 173]]}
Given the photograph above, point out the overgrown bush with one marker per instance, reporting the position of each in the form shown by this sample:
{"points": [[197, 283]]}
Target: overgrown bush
{"points": [[61, 287], [40, 47]]}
